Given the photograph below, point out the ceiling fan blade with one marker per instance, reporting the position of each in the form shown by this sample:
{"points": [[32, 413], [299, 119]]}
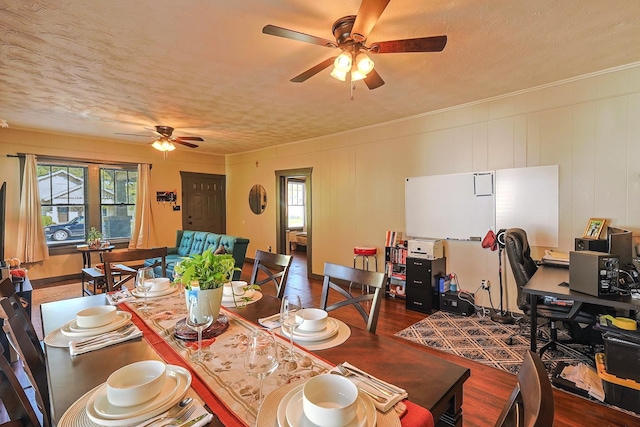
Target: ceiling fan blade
{"points": [[186, 144], [373, 80], [313, 70], [368, 15], [295, 35], [189, 138], [423, 44]]}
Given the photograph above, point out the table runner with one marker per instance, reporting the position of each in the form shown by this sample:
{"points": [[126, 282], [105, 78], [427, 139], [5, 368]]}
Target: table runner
{"points": [[220, 379]]}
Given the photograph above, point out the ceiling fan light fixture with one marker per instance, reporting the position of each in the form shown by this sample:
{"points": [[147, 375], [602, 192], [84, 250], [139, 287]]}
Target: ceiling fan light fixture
{"points": [[338, 74], [163, 145], [357, 75], [343, 62], [364, 64]]}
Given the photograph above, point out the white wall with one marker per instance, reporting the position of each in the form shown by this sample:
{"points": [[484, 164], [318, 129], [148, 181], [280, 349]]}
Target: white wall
{"points": [[588, 126]]}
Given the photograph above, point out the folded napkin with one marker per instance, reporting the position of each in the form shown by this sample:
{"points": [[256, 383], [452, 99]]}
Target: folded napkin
{"points": [[365, 380], [116, 297], [200, 410], [270, 322], [76, 348]]}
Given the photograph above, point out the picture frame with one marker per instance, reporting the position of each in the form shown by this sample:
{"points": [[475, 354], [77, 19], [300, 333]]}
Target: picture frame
{"points": [[594, 228]]}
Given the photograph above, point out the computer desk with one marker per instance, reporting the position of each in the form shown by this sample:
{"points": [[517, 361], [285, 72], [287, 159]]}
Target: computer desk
{"points": [[545, 282]]}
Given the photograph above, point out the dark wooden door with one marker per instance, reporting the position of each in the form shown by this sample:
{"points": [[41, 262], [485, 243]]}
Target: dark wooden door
{"points": [[204, 202]]}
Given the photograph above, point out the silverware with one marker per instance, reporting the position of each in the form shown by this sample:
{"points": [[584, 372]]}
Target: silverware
{"points": [[374, 396], [99, 339], [193, 421], [367, 379], [175, 413]]}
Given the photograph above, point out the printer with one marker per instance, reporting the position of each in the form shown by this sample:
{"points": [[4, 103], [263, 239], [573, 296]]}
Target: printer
{"points": [[425, 249]]}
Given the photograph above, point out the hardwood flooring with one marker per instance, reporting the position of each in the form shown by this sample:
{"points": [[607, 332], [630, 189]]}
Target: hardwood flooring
{"points": [[485, 392]]}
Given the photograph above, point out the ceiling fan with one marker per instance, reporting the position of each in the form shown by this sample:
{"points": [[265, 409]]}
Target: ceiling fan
{"points": [[165, 139], [351, 34]]}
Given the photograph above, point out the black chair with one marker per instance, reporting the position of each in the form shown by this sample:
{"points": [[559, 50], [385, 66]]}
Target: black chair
{"points": [[531, 401], [111, 258], [274, 269], [523, 268], [339, 277], [14, 399]]}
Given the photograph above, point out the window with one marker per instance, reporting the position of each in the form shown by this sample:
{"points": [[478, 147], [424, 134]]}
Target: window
{"points": [[70, 207], [295, 204]]}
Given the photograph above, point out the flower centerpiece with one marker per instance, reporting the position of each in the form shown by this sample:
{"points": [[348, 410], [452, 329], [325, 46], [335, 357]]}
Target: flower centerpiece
{"points": [[93, 238], [206, 272]]}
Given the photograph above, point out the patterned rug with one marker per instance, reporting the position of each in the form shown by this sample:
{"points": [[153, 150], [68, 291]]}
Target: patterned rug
{"points": [[482, 340]]}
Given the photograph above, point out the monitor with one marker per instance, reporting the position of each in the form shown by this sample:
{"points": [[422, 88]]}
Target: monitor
{"points": [[621, 243]]}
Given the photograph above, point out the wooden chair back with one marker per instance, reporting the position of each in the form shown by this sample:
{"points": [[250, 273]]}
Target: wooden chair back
{"points": [[531, 401], [341, 278], [118, 257], [13, 397], [275, 267], [25, 339]]}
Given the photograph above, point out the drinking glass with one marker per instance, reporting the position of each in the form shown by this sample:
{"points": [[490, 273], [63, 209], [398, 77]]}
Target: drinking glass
{"points": [[199, 318], [261, 358], [177, 277], [144, 281], [290, 306]]}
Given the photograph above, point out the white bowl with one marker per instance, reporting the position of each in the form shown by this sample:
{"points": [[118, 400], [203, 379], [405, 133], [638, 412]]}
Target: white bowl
{"points": [[159, 284], [236, 287], [136, 383], [313, 319], [329, 400], [95, 317]]}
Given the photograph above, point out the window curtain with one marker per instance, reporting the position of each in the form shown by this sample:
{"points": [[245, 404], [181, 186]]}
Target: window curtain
{"points": [[144, 234], [32, 244]]}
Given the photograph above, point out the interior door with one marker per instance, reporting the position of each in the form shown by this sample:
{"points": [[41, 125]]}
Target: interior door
{"points": [[204, 202]]}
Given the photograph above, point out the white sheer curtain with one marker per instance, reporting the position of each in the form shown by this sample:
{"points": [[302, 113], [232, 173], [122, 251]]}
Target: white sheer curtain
{"points": [[144, 233], [32, 244]]}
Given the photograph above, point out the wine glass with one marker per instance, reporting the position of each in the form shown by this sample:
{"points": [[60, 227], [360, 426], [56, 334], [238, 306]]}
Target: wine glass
{"points": [[261, 359], [144, 281], [200, 317], [290, 306], [177, 277]]}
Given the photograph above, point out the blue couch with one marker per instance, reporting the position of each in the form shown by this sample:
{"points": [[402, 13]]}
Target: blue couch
{"points": [[196, 242]]}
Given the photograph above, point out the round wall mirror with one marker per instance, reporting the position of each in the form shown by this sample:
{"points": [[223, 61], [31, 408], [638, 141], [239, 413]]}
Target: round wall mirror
{"points": [[257, 199]]}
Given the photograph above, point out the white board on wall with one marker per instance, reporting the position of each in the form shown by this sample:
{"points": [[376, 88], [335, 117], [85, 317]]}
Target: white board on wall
{"points": [[527, 198], [461, 206], [447, 207]]}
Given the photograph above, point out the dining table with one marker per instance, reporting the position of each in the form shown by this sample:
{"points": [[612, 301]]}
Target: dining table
{"points": [[430, 381]]}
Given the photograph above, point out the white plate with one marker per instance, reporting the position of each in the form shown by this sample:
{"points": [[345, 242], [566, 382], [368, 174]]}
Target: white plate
{"points": [[326, 333], [71, 328], [154, 294], [290, 412], [250, 293], [181, 378]]}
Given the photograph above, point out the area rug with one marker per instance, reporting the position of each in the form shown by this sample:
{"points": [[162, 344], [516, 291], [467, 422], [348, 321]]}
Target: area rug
{"points": [[482, 340]]}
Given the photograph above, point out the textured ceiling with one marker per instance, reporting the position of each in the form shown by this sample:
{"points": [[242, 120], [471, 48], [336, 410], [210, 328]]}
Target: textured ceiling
{"points": [[95, 68]]}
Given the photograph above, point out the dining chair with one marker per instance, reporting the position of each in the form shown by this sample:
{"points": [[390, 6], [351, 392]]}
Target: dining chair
{"points": [[340, 278], [111, 258], [14, 399], [531, 401], [275, 267], [25, 340]]}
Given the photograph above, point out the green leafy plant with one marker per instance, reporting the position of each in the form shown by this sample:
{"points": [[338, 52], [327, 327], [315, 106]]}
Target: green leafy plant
{"points": [[94, 235], [210, 270]]}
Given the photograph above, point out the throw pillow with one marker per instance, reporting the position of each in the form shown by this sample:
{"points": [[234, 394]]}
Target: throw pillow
{"points": [[220, 251]]}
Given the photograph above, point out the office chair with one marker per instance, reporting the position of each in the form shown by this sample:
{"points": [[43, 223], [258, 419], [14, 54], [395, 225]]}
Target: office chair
{"points": [[531, 401], [523, 268], [335, 275]]}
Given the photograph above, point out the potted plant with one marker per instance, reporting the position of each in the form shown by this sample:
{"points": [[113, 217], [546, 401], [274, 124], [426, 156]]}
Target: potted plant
{"points": [[93, 238], [206, 272]]}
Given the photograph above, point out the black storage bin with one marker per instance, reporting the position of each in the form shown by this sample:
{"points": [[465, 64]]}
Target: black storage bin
{"points": [[618, 391], [622, 355]]}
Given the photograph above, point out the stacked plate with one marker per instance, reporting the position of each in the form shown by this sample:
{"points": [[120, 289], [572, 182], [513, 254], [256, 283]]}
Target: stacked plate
{"points": [[161, 287], [291, 414], [300, 335], [72, 329], [104, 413]]}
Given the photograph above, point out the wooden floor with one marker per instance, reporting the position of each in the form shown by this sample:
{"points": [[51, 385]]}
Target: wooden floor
{"points": [[484, 392]]}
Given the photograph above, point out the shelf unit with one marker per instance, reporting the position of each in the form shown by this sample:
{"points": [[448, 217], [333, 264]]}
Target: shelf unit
{"points": [[396, 269]]}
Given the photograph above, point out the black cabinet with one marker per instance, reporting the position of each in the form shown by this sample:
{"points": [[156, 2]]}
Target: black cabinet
{"points": [[423, 276]]}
